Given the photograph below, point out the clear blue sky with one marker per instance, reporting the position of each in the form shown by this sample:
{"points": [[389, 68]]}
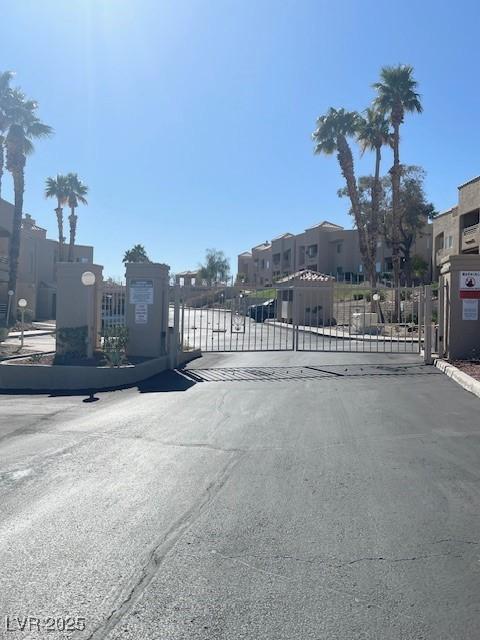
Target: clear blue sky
{"points": [[190, 120]]}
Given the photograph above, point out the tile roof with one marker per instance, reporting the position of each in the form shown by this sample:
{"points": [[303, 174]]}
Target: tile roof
{"points": [[306, 275]]}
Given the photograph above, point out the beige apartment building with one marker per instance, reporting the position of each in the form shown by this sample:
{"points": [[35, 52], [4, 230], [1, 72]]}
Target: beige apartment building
{"points": [[36, 268], [324, 248], [457, 231]]}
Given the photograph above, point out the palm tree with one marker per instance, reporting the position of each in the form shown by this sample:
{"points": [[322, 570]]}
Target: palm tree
{"points": [[332, 133], [76, 192], [58, 188], [136, 254], [5, 78], [23, 126], [373, 133], [397, 95]]}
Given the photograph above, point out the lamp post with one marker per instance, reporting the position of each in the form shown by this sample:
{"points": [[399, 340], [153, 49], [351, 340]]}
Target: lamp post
{"points": [[10, 295], [88, 280], [22, 303]]}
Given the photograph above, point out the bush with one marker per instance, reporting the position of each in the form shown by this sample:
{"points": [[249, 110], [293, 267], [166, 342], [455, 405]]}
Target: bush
{"points": [[72, 342], [3, 333], [27, 315], [115, 341]]}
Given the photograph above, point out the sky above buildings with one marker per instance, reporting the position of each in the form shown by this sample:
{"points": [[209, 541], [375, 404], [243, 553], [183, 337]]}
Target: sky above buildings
{"points": [[190, 120]]}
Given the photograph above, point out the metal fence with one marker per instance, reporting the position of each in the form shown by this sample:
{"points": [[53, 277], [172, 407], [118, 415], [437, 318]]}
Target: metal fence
{"points": [[341, 317], [113, 305]]}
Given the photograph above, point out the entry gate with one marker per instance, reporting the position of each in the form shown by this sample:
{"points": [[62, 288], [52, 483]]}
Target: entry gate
{"points": [[304, 317]]}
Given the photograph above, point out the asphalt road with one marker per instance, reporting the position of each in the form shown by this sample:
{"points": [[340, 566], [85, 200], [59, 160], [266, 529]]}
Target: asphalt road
{"points": [[274, 496]]}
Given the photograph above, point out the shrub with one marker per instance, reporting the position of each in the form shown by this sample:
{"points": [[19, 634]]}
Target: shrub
{"points": [[115, 341], [27, 315], [72, 342], [3, 333]]}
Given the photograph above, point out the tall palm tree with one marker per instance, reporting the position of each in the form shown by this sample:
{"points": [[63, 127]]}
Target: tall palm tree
{"points": [[397, 95], [76, 192], [58, 188], [5, 79], [23, 126], [373, 133], [331, 135]]}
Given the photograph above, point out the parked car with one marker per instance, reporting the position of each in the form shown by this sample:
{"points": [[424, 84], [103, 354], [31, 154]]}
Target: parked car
{"points": [[262, 312]]}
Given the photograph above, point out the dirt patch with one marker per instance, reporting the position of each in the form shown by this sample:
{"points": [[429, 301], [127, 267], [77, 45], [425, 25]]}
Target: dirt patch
{"points": [[470, 367]]}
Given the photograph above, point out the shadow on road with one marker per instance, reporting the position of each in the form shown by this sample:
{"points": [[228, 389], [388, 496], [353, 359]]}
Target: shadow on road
{"points": [[176, 380], [307, 372]]}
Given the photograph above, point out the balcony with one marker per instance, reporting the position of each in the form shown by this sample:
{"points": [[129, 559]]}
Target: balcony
{"points": [[470, 238], [440, 254]]}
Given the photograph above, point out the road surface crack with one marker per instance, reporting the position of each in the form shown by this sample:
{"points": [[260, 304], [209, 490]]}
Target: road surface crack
{"points": [[132, 592]]}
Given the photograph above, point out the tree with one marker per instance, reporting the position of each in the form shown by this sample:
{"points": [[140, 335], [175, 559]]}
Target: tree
{"points": [[5, 91], [373, 133], [23, 125], [58, 188], [76, 192], [396, 95], [216, 267], [136, 254], [331, 135], [414, 212]]}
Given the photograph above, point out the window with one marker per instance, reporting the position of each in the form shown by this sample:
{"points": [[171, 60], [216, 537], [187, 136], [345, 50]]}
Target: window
{"points": [[301, 257], [262, 264], [312, 251], [276, 258], [286, 255], [339, 248], [449, 242], [268, 264], [360, 268], [379, 244], [378, 267]]}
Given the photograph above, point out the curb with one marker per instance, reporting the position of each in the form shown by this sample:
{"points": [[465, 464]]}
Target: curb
{"points": [[461, 378]]}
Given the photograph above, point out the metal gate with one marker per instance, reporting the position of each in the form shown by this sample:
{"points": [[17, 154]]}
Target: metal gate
{"points": [[301, 316]]}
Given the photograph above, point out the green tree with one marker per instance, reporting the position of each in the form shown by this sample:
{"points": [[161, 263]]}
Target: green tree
{"points": [[216, 267], [396, 95], [76, 194], [331, 135], [414, 213], [5, 92], [136, 254], [58, 188], [23, 126]]}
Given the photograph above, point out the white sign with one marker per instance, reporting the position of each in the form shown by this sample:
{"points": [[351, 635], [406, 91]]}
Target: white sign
{"points": [[470, 284], [469, 309], [141, 313], [141, 291]]}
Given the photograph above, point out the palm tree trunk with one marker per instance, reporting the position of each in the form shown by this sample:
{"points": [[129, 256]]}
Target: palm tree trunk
{"points": [[374, 225], [395, 174], [345, 160], [59, 212], [72, 218], [14, 245]]}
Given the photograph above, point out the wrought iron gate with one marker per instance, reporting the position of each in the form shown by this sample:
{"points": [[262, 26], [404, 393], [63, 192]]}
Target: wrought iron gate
{"points": [[302, 316]]}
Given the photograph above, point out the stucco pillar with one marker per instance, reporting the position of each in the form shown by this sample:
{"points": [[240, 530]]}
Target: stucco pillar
{"points": [[79, 305], [147, 309], [460, 281]]}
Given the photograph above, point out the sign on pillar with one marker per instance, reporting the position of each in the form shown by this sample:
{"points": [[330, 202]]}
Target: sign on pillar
{"points": [[147, 309], [469, 294]]}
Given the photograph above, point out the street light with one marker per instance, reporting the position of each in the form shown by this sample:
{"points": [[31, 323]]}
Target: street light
{"points": [[22, 303], [88, 280]]}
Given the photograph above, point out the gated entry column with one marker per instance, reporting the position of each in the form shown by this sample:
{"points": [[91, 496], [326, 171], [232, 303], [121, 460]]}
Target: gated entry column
{"points": [[460, 317], [147, 309]]}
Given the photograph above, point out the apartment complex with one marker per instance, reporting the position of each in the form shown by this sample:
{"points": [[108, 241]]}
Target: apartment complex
{"points": [[36, 269], [457, 231], [325, 248]]}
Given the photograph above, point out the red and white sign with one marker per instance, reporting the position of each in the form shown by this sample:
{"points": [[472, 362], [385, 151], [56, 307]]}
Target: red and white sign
{"points": [[469, 285]]}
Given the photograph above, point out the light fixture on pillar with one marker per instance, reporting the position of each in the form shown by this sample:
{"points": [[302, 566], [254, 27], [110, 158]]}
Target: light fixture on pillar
{"points": [[88, 280]]}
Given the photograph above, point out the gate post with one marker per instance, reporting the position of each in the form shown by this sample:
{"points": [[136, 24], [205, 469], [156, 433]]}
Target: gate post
{"points": [[460, 275], [147, 309], [427, 349]]}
